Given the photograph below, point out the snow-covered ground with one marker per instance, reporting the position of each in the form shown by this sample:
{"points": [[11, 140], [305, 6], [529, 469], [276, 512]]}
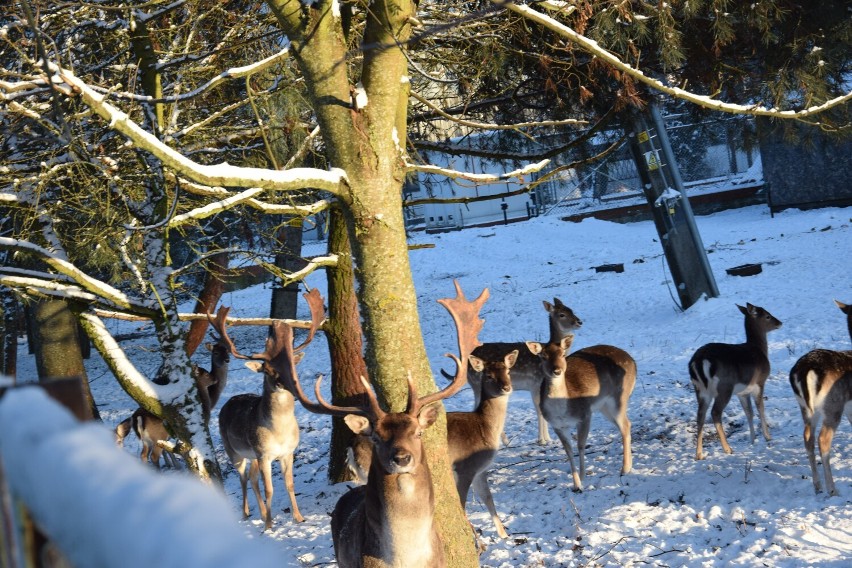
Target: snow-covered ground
{"points": [[754, 507]]}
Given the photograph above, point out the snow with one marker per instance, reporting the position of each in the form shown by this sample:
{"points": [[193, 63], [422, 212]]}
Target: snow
{"points": [[755, 506]]}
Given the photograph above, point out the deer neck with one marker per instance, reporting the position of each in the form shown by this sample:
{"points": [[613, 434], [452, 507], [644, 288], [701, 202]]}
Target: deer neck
{"points": [[399, 510], [756, 337], [492, 413], [557, 334], [276, 402]]}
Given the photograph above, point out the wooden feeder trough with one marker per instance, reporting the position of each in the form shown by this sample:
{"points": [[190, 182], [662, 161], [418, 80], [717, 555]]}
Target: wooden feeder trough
{"points": [[745, 270]]}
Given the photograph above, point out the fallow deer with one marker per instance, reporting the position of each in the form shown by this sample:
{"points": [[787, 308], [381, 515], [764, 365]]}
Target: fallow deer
{"points": [[526, 374], [598, 378], [151, 430], [391, 518], [259, 429], [822, 382], [473, 438], [721, 370]]}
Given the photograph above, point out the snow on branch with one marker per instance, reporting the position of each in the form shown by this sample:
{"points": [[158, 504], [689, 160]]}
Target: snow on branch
{"points": [[494, 126], [90, 284], [247, 197], [222, 174], [232, 321], [478, 178], [701, 100]]}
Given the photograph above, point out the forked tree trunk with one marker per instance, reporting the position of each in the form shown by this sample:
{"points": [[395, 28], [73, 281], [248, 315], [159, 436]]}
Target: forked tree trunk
{"points": [[343, 331], [57, 346], [367, 144]]}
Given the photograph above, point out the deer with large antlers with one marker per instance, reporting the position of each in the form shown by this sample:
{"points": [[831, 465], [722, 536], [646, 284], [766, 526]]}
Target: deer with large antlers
{"points": [[391, 518], [259, 429], [721, 370], [151, 430], [822, 382], [527, 374], [598, 378]]}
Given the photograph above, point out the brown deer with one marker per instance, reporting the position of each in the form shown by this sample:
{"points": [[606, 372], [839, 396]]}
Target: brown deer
{"points": [[822, 382], [259, 429], [527, 374], [473, 438], [721, 370], [151, 430], [598, 378], [391, 518]]}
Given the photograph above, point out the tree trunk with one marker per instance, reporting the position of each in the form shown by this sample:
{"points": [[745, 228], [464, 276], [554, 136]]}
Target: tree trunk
{"points": [[10, 332], [343, 331], [288, 259], [57, 345], [367, 143]]}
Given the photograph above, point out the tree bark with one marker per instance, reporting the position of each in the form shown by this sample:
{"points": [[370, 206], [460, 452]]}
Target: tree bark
{"points": [[57, 345], [366, 143], [10, 332], [288, 259], [343, 331]]}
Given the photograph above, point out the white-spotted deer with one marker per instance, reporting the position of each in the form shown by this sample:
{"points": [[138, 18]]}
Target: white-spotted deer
{"points": [[598, 378], [527, 374], [822, 382], [473, 438], [151, 430], [391, 518], [721, 370], [259, 429]]}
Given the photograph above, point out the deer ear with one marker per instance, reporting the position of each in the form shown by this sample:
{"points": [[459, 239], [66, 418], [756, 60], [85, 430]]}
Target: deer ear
{"points": [[476, 363], [428, 415], [298, 357], [358, 424], [534, 347], [566, 342], [255, 366], [208, 346], [510, 359], [548, 306], [743, 310]]}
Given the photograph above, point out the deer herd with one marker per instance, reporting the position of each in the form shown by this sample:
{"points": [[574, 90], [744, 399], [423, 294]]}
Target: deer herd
{"points": [[390, 513]]}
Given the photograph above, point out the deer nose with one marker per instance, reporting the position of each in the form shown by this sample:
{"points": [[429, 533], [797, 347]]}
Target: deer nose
{"points": [[402, 459]]}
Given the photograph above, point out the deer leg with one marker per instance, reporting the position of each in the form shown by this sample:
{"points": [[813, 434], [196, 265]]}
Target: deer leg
{"points": [[543, 433], [265, 468], [826, 435], [722, 400], [240, 466], [810, 428], [480, 485], [565, 438], [745, 401], [463, 483], [156, 452], [761, 413], [287, 472], [619, 418], [582, 435], [703, 405]]}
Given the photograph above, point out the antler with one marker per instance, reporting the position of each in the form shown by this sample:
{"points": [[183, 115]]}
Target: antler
{"points": [[219, 324], [468, 325], [316, 305]]}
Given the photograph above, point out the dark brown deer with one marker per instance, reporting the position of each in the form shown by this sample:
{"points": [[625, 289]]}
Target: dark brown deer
{"points": [[822, 382], [598, 378], [527, 374], [721, 370], [259, 429], [151, 430], [391, 518]]}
